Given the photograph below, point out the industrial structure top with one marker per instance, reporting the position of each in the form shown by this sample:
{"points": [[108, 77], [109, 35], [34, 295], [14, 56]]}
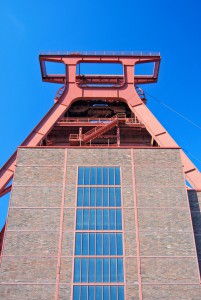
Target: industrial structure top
{"points": [[112, 100]]}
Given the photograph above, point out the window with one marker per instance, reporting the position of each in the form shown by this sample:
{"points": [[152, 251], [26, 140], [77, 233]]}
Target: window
{"points": [[98, 270], [98, 292], [98, 244], [99, 176], [99, 196], [98, 238]]}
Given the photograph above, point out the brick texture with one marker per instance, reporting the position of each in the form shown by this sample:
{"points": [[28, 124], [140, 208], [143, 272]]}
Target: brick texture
{"points": [[165, 231], [166, 239], [27, 292], [171, 292]]}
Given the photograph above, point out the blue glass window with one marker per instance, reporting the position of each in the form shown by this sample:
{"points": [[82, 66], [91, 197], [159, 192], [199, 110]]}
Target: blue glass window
{"points": [[112, 270], [98, 292], [98, 244], [98, 249], [111, 292], [99, 219], [99, 196], [98, 176]]}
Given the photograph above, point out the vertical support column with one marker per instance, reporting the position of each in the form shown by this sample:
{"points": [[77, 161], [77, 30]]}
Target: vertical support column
{"points": [[118, 136], [61, 228], [137, 227], [80, 135]]}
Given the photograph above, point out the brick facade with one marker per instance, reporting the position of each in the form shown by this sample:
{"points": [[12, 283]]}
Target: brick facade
{"points": [[165, 252]]}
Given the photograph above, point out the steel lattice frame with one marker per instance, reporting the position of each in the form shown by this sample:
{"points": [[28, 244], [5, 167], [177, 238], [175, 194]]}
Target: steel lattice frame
{"points": [[125, 91]]}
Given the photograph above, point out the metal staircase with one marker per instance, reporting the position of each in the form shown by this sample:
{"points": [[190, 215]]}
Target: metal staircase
{"points": [[83, 139]]}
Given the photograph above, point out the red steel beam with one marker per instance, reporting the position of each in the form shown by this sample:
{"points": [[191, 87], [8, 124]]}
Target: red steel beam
{"points": [[136, 227], [61, 228], [127, 93], [1, 238]]}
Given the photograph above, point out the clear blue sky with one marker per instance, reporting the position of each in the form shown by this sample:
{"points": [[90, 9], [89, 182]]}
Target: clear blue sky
{"points": [[27, 27]]}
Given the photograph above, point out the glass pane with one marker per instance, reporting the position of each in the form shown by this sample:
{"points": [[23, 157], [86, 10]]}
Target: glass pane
{"points": [[105, 176], [85, 243], [118, 196], [112, 219], [79, 219], [93, 179], [92, 219], [92, 197], [113, 270], [86, 197], [99, 197], [113, 293], [99, 244], [119, 244], [76, 292], [120, 270], [91, 293], [119, 220], [78, 244], [99, 176], [91, 270], [99, 270], [106, 270], [112, 197], [120, 293], [105, 219], [117, 176], [83, 293], [105, 197], [113, 246], [86, 219], [111, 176], [99, 218], [80, 175], [84, 273], [91, 244], [86, 175], [77, 270], [106, 244], [79, 196], [106, 293], [99, 292]]}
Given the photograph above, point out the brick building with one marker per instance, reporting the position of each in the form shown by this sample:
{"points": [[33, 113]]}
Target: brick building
{"points": [[99, 206]]}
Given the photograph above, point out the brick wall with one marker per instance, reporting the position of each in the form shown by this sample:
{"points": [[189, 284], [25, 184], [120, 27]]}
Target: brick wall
{"points": [[167, 258], [30, 254]]}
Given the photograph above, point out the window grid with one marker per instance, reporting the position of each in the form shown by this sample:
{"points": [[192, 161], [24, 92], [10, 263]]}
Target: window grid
{"points": [[98, 218], [108, 243], [96, 292]]}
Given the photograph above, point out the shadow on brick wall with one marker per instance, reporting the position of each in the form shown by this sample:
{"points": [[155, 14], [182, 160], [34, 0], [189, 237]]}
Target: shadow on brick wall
{"points": [[196, 219]]}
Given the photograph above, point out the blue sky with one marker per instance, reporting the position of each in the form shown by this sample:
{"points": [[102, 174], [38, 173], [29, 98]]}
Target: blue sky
{"points": [[27, 27]]}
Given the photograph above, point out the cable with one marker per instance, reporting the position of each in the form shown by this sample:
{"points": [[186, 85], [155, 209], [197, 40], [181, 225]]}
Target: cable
{"points": [[187, 152], [186, 119], [173, 110]]}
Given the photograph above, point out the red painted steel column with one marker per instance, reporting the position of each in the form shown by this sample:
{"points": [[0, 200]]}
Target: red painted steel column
{"points": [[61, 227], [137, 227]]}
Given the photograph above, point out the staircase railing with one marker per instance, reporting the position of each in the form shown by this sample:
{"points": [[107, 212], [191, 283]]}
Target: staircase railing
{"points": [[97, 128]]}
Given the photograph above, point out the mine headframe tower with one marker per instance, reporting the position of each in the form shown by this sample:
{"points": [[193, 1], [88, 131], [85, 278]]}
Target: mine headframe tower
{"points": [[95, 110]]}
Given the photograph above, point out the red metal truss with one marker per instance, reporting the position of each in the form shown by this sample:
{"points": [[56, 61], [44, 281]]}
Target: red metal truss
{"points": [[1, 238], [100, 87]]}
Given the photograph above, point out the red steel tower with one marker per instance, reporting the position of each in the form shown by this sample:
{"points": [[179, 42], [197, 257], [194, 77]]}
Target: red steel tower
{"points": [[99, 205]]}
